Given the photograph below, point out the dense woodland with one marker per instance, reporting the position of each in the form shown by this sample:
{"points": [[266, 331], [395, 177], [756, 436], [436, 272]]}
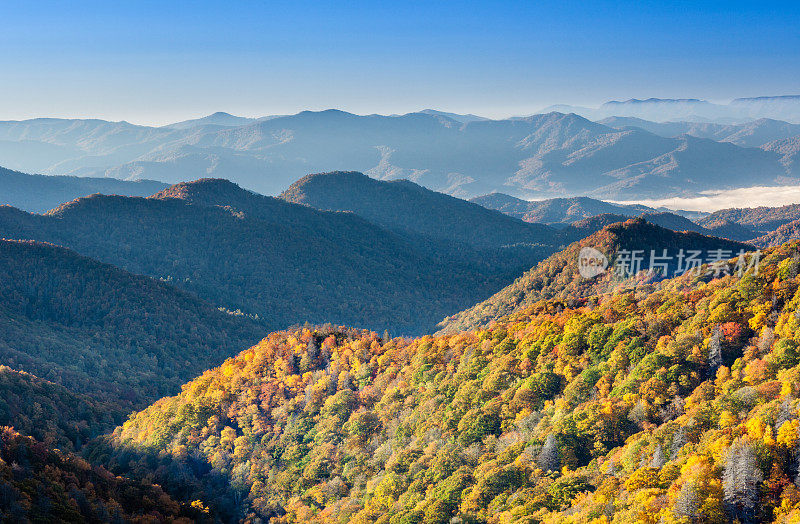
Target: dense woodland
{"points": [[38, 484], [558, 276], [633, 398], [784, 233], [670, 402], [120, 338], [285, 263], [51, 413]]}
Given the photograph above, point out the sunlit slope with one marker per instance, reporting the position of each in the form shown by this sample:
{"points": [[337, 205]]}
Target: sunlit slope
{"points": [[558, 276], [653, 404]]}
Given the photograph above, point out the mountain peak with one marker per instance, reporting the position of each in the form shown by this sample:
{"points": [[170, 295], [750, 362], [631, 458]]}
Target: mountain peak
{"points": [[396, 205], [463, 118], [220, 118], [202, 191], [327, 177], [559, 276]]}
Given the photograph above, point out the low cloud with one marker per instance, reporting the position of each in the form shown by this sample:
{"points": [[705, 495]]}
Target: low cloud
{"points": [[741, 197]]}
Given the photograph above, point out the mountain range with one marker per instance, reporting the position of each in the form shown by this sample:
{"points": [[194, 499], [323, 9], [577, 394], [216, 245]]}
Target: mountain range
{"points": [[541, 156], [133, 395], [578, 217], [556, 210], [286, 263], [756, 133], [786, 107]]}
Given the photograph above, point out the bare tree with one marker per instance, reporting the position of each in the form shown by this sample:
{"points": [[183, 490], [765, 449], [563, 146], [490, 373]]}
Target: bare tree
{"points": [[741, 480], [548, 459], [611, 469], [766, 339], [659, 459], [785, 411], [678, 441], [687, 504], [715, 350]]}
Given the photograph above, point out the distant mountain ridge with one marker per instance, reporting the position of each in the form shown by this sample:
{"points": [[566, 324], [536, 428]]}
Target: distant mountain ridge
{"points": [[785, 107], [540, 156], [762, 219], [555, 210], [757, 133], [40, 193], [583, 216], [463, 118]]}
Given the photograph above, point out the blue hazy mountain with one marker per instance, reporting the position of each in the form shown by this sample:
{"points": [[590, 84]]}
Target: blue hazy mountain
{"points": [[39, 193], [541, 156], [219, 118], [740, 110]]}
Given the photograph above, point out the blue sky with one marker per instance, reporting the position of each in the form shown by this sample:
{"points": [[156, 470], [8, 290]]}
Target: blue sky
{"points": [[156, 62]]}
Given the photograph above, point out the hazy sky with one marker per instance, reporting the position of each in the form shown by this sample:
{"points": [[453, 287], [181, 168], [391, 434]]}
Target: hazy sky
{"points": [[156, 62]]}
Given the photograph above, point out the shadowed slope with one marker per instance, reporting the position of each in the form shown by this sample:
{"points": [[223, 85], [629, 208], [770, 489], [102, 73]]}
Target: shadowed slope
{"points": [[101, 331], [404, 206], [286, 263]]}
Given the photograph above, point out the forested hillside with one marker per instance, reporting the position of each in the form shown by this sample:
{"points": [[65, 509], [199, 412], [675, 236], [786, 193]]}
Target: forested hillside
{"points": [[288, 264], [120, 338], [51, 413], [558, 276], [38, 484], [668, 403], [785, 233], [583, 228], [761, 219], [404, 206]]}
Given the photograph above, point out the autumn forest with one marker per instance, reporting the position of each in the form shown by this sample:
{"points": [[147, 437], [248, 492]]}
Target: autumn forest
{"points": [[209, 354]]}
